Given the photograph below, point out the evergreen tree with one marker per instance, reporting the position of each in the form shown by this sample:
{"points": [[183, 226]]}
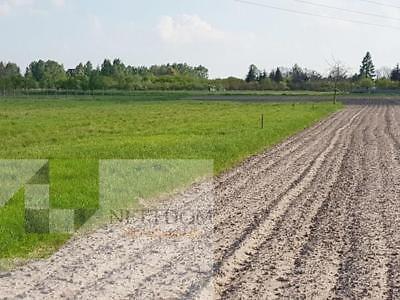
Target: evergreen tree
{"points": [[367, 69], [88, 68], [278, 77], [298, 75], [107, 68], [395, 75], [118, 68], [253, 74], [272, 75]]}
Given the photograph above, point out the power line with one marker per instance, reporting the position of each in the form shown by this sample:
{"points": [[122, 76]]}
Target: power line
{"points": [[346, 10], [314, 14], [380, 3]]}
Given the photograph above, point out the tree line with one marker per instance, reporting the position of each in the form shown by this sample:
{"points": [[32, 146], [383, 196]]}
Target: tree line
{"points": [[115, 75], [110, 75], [298, 78]]}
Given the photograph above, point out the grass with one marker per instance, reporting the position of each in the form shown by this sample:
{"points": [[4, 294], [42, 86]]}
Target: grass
{"points": [[75, 133]]}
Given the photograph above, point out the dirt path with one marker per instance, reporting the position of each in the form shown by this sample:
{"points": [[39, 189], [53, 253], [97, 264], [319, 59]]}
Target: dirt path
{"points": [[316, 217]]}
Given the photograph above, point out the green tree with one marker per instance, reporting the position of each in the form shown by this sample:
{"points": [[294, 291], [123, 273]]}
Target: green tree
{"points": [[36, 70], [298, 78], [278, 77], [367, 69], [201, 72], [366, 83], [253, 74], [88, 68], [54, 74], [10, 76], [11, 70], [95, 80], [29, 81], [49, 74], [395, 74], [384, 83], [118, 68], [77, 78], [107, 68], [263, 76]]}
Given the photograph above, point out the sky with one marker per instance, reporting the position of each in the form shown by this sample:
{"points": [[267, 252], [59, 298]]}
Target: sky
{"points": [[226, 36]]}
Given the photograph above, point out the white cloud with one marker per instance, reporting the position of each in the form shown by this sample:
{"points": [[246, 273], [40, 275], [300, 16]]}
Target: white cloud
{"points": [[187, 29], [191, 39]]}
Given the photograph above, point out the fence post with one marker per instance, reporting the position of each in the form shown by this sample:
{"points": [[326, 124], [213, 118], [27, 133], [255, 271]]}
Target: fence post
{"points": [[262, 121]]}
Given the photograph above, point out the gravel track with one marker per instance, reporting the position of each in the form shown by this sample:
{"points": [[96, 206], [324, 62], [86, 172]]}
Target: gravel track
{"points": [[316, 217]]}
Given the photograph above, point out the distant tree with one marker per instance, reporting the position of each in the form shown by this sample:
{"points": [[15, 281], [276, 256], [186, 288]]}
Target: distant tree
{"points": [[78, 78], [54, 74], [298, 75], [272, 75], [367, 69], [95, 80], [231, 83], [11, 70], [278, 77], [298, 78], [384, 83], [107, 68], [201, 72], [49, 74], [355, 77], [10, 76], [29, 81], [337, 73], [36, 69], [366, 83], [312, 75], [395, 74], [118, 68], [253, 74], [88, 68], [263, 76]]}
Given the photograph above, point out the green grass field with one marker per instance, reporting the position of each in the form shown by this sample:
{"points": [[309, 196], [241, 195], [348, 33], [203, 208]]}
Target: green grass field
{"points": [[75, 133]]}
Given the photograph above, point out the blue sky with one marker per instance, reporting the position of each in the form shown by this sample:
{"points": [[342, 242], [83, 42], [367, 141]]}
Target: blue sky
{"points": [[224, 35]]}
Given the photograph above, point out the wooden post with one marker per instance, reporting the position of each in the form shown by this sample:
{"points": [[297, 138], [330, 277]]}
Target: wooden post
{"points": [[262, 121], [335, 93]]}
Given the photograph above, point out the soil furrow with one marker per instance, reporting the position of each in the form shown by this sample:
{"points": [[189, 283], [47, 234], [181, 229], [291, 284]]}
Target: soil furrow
{"points": [[234, 264]]}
